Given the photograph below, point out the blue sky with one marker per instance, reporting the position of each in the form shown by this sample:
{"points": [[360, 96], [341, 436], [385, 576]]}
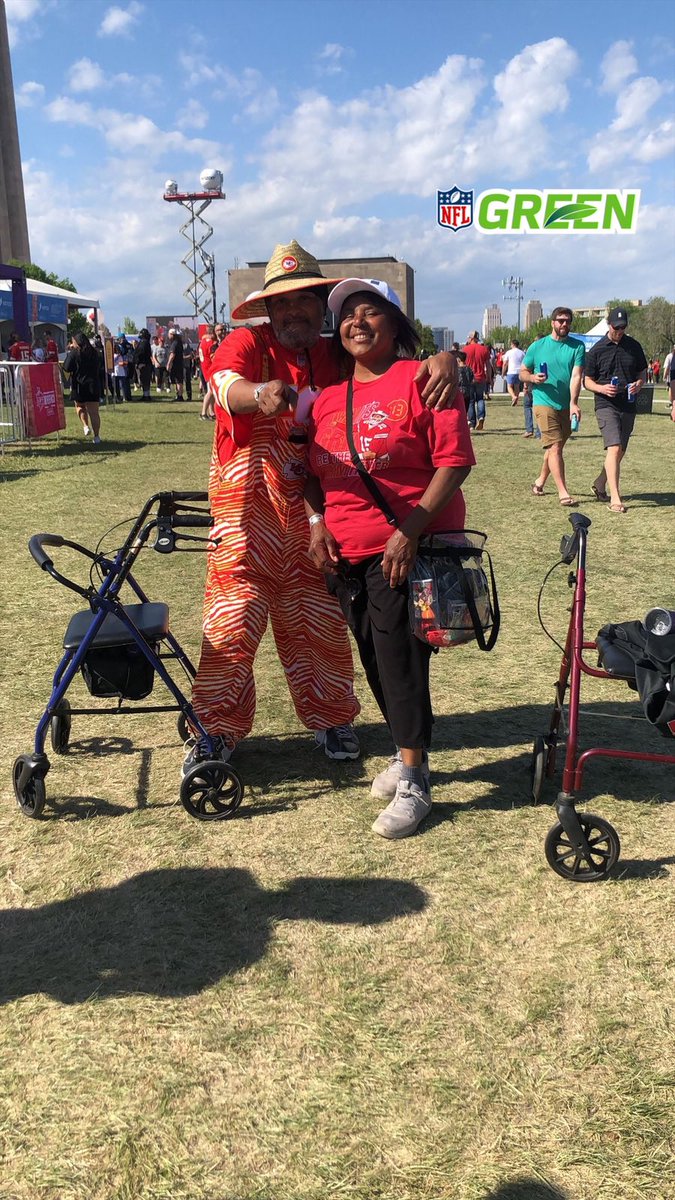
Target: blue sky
{"points": [[336, 124]]}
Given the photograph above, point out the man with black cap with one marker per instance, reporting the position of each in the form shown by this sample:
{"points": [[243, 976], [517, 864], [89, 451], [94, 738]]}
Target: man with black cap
{"points": [[615, 370], [265, 379]]}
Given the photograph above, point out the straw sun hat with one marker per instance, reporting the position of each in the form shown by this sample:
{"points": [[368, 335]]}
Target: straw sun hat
{"points": [[290, 269]]}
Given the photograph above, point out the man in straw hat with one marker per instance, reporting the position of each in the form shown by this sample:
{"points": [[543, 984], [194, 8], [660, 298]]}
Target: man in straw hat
{"points": [[265, 380]]}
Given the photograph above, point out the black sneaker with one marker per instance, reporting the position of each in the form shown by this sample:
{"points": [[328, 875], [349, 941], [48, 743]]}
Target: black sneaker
{"points": [[196, 752], [339, 742]]}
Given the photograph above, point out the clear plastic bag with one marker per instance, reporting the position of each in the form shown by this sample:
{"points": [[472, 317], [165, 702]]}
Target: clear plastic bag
{"points": [[447, 582]]}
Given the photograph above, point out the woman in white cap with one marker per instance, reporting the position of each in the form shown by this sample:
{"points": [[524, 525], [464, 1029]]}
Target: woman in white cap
{"points": [[417, 459]]}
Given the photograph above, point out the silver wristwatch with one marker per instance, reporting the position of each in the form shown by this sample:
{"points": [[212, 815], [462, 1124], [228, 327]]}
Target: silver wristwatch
{"points": [[257, 391]]}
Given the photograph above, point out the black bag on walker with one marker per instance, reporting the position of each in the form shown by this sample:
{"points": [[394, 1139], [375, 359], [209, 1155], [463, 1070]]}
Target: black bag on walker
{"points": [[118, 671], [451, 601]]}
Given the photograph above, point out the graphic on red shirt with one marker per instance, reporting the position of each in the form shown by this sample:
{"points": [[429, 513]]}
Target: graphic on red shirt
{"points": [[399, 442], [20, 352]]}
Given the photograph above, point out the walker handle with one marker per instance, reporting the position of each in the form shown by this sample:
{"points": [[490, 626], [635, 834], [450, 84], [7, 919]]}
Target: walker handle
{"points": [[579, 521], [46, 563], [35, 546], [194, 520]]}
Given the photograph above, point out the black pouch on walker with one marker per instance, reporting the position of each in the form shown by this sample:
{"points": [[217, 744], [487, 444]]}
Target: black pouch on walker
{"points": [[451, 600], [118, 671]]}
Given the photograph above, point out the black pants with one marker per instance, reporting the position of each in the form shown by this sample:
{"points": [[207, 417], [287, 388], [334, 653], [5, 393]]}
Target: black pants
{"points": [[188, 380], [396, 663], [145, 375]]}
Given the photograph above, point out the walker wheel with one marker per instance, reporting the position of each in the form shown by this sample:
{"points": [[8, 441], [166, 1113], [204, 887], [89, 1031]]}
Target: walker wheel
{"points": [[32, 796], [59, 728], [538, 768], [184, 731], [211, 791], [572, 863]]}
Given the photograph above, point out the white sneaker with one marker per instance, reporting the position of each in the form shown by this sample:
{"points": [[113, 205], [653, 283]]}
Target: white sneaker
{"points": [[86, 430], [384, 785], [410, 806]]}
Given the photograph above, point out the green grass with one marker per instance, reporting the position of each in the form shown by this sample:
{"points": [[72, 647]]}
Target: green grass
{"points": [[283, 1006]]}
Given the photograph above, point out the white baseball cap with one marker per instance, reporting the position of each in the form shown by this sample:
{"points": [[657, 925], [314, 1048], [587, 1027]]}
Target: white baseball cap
{"points": [[348, 286]]}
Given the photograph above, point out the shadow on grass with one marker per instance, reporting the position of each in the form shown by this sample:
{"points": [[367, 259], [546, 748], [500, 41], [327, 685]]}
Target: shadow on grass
{"points": [[647, 868], [665, 499], [175, 932], [525, 1188]]}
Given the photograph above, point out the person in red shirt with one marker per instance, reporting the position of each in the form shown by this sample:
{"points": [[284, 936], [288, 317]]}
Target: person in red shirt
{"points": [[19, 351], [208, 344], [264, 379], [478, 358], [418, 460], [51, 348]]}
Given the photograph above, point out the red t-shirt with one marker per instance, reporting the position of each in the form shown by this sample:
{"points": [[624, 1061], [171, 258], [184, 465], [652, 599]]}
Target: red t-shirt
{"points": [[477, 357], [207, 346], [399, 442], [257, 356], [52, 351], [20, 352]]}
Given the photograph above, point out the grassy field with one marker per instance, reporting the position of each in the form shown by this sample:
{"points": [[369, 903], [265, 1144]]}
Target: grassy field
{"points": [[284, 1006]]}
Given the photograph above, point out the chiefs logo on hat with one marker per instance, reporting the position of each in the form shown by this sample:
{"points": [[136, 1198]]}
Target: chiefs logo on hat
{"points": [[289, 263]]}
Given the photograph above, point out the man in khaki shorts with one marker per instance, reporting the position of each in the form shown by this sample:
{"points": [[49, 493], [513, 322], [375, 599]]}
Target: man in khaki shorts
{"points": [[554, 366]]}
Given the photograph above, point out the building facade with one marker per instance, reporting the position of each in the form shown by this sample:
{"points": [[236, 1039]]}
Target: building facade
{"points": [[533, 313], [443, 337], [399, 275], [492, 319]]}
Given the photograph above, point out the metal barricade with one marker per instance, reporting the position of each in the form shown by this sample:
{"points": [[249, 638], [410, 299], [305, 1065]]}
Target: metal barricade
{"points": [[12, 412]]}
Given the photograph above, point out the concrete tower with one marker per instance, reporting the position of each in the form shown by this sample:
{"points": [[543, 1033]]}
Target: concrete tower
{"points": [[13, 224]]}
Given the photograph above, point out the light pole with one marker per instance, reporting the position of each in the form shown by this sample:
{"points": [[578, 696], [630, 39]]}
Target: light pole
{"points": [[200, 265], [514, 284]]}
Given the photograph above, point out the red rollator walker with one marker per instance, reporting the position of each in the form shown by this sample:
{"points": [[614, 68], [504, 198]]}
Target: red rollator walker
{"points": [[581, 847]]}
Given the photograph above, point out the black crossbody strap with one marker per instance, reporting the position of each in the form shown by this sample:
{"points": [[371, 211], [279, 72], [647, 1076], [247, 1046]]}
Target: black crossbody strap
{"points": [[354, 454]]}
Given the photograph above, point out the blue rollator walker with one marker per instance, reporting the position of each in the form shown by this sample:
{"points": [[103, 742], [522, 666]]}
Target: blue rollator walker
{"points": [[119, 648]]}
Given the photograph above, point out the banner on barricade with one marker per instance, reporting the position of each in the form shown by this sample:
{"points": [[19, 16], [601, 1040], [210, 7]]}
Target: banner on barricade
{"points": [[42, 399]]}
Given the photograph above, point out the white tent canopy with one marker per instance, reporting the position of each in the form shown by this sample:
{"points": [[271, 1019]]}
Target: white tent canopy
{"points": [[598, 330], [37, 288]]}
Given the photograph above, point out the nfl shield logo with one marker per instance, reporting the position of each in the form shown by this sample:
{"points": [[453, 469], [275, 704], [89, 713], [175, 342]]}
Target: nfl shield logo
{"points": [[455, 209]]}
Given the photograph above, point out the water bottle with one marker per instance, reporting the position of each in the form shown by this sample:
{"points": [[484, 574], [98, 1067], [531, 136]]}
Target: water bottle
{"points": [[575, 422], [660, 621], [543, 369]]}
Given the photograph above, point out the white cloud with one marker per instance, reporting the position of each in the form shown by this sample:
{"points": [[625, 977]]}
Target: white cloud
{"points": [[129, 131], [258, 97], [29, 94], [330, 59], [85, 76], [635, 135], [617, 66], [634, 102], [405, 140], [192, 116], [533, 88], [120, 21], [20, 15]]}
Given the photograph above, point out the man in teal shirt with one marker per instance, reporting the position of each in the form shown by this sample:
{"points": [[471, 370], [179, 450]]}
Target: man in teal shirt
{"points": [[555, 396]]}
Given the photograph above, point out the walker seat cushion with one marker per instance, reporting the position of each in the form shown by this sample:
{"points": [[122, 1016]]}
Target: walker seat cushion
{"points": [[151, 619]]}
